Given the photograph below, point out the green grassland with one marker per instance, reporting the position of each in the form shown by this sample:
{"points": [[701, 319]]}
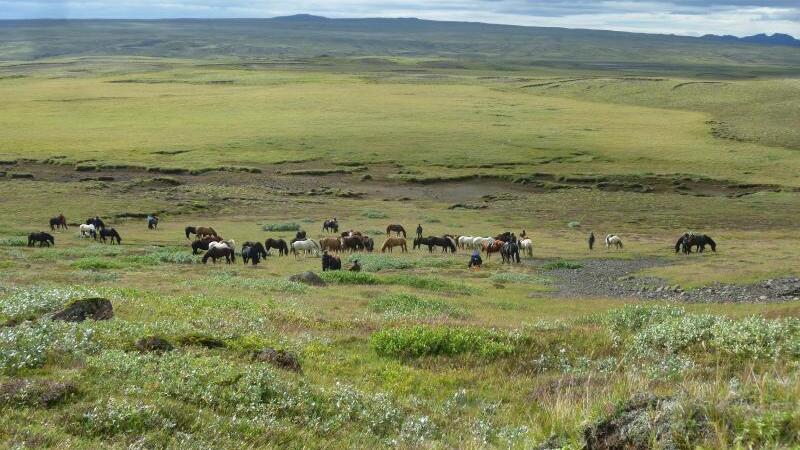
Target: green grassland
{"points": [[416, 351]]}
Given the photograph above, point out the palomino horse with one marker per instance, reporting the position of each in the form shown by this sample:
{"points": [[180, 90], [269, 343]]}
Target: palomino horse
{"points": [[526, 247], [397, 229], [612, 240], [200, 231], [392, 242], [306, 245]]}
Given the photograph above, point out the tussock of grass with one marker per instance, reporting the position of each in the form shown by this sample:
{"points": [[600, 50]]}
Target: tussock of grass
{"points": [[427, 283], [373, 214], [13, 242], [376, 262], [408, 306], [96, 263], [422, 340], [291, 226], [231, 280]]}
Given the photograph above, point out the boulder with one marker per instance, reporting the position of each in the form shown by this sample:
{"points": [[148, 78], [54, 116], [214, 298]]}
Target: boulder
{"points": [[278, 358], [308, 277], [92, 308], [153, 344]]}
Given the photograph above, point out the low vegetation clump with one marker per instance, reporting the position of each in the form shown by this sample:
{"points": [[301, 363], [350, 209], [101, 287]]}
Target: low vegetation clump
{"points": [[414, 281], [557, 265], [290, 226], [30, 302], [423, 340], [164, 256], [31, 344], [13, 242], [408, 306], [374, 214], [96, 263], [376, 262], [516, 277], [231, 280]]}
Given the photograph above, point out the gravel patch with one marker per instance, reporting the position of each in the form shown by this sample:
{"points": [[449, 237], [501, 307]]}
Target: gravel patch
{"points": [[615, 278]]}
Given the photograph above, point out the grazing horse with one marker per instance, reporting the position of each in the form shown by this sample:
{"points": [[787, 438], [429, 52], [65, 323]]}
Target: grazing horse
{"points": [[110, 233], [278, 244], [612, 240], [526, 246], [219, 252], [510, 252], [87, 231], [330, 225], [97, 222], [420, 241], [465, 241], [506, 237], [58, 223], [352, 243], [391, 242], [689, 240], [369, 243], [152, 222], [493, 247], [44, 239], [330, 262], [350, 233], [306, 246], [397, 229], [479, 243], [333, 244], [230, 243], [434, 241], [202, 244], [253, 251], [200, 232]]}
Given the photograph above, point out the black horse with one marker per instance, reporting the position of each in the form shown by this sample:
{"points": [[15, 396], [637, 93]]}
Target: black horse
{"points": [[201, 244], [435, 241], [278, 244], [299, 236], [44, 239], [219, 252], [330, 262], [253, 251], [110, 233], [510, 252], [58, 223], [152, 222], [368, 243], [97, 222], [331, 225], [687, 241]]}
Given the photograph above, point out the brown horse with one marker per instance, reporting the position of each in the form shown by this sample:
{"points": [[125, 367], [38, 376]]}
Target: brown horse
{"points": [[494, 247], [353, 243], [219, 252], [397, 229], [392, 242], [331, 243], [200, 231]]}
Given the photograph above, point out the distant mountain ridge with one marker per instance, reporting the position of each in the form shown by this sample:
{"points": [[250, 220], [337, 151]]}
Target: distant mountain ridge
{"points": [[761, 38]]}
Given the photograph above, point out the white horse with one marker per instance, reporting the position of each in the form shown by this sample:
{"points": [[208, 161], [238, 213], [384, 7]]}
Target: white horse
{"points": [[306, 245], [464, 241], [612, 240], [87, 230], [228, 243], [526, 246]]}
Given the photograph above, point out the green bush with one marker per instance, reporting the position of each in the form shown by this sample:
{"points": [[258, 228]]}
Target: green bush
{"points": [[291, 226], [345, 277], [420, 340]]}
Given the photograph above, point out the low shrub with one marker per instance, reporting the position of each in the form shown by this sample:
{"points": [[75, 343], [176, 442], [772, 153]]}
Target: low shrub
{"points": [[119, 415], [421, 340], [561, 265], [291, 226], [165, 256], [30, 344], [428, 283]]}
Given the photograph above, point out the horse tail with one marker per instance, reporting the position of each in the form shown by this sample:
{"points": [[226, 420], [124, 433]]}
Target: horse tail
{"points": [[189, 230]]}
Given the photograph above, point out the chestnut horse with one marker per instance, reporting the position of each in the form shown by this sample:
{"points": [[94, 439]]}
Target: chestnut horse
{"points": [[397, 229], [392, 242], [331, 243], [494, 247], [200, 231]]}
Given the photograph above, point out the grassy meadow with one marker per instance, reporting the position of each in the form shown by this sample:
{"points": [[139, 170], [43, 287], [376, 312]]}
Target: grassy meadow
{"points": [[415, 351]]}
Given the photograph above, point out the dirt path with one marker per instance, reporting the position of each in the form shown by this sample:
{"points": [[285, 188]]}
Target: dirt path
{"points": [[616, 278]]}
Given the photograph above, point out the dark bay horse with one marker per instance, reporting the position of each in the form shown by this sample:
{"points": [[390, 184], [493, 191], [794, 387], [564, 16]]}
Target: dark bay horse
{"points": [[277, 244], [330, 225], [58, 223], [97, 222], [44, 239], [110, 233], [219, 252], [330, 262], [687, 241], [397, 229]]}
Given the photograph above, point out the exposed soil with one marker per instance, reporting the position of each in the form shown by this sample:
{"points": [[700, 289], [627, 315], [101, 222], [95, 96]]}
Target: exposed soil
{"points": [[615, 278]]}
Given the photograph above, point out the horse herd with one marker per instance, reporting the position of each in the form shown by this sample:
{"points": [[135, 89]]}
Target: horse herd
{"points": [[507, 244]]}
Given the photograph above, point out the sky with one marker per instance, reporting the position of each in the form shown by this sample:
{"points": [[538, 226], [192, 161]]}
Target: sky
{"points": [[684, 17]]}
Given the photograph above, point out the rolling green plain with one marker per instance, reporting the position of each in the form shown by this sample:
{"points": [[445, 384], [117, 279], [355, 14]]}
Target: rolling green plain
{"points": [[249, 129]]}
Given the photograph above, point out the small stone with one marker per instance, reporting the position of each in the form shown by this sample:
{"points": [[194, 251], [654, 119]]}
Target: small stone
{"points": [[308, 277]]}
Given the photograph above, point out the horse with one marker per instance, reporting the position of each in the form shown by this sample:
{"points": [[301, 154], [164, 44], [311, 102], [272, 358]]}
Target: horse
{"points": [[87, 231], [369, 243], [110, 233], [434, 241], [299, 236], [419, 242], [277, 244], [97, 222], [397, 229], [350, 233], [506, 236], [392, 242], [219, 252], [493, 247], [308, 244], [333, 244], [465, 241], [330, 225], [202, 244], [352, 243], [612, 240], [200, 232], [689, 240], [330, 262], [42, 238], [510, 252], [526, 246], [230, 243], [152, 222], [253, 251], [479, 243], [58, 223]]}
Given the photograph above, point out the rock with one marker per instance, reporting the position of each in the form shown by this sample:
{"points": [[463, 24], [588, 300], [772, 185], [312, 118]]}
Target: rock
{"points": [[762, 297], [278, 358], [309, 278], [153, 344], [93, 308]]}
